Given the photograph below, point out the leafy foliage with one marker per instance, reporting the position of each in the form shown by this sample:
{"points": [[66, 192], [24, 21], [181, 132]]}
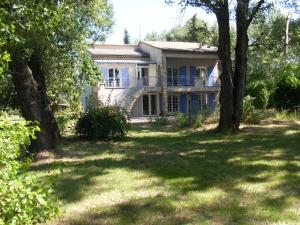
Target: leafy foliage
{"points": [[260, 93], [182, 120], [126, 37], [66, 121], [287, 92], [23, 200], [194, 30], [103, 123], [58, 31], [250, 114]]}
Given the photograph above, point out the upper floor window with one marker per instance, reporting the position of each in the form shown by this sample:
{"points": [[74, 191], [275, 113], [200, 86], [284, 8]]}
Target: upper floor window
{"points": [[202, 74], [143, 75], [113, 78], [172, 76]]}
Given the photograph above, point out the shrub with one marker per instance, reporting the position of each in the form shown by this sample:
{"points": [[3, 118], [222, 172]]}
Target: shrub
{"points": [[66, 120], [103, 123], [23, 200], [287, 92], [250, 114], [260, 93], [199, 120], [160, 121], [182, 120]]}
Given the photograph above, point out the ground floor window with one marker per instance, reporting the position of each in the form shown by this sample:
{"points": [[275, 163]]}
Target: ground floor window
{"points": [[203, 101], [149, 104], [172, 103]]}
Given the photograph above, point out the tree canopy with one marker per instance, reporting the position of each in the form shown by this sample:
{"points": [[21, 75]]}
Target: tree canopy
{"points": [[46, 42]]}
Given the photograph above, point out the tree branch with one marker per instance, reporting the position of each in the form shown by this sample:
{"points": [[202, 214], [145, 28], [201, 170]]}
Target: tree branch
{"points": [[254, 11]]}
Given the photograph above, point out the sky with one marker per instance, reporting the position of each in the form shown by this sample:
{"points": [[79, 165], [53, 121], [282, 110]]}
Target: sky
{"points": [[144, 16]]}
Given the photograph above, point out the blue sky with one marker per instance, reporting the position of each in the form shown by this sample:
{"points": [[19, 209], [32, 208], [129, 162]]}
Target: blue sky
{"points": [[149, 15]]}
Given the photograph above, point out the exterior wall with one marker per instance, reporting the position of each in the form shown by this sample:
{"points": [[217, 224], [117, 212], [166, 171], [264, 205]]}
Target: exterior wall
{"points": [[137, 109], [155, 53]]}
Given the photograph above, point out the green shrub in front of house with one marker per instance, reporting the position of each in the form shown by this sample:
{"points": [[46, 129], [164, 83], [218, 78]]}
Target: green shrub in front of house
{"points": [[250, 115], [66, 120], [183, 120], [103, 123], [23, 199]]}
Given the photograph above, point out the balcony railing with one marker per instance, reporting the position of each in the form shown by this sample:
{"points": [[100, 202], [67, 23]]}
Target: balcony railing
{"points": [[179, 82], [183, 82]]}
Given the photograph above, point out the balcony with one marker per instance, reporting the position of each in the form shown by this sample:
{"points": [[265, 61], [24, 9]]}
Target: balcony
{"points": [[196, 82]]}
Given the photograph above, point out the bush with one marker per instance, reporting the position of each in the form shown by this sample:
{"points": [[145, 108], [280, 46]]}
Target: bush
{"points": [[66, 120], [182, 120], [199, 120], [260, 93], [23, 200], [103, 123], [250, 114], [287, 92]]}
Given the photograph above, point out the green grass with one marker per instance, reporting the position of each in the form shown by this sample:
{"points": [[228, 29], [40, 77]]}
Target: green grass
{"points": [[165, 176]]}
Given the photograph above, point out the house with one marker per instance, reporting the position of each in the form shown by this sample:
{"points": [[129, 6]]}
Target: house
{"points": [[157, 78]]}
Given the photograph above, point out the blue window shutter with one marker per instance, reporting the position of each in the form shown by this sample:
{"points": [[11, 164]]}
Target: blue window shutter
{"points": [[210, 73], [212, 102], [183, 103], [182, 73], [194, 103], [193, 73], [125, 73]]}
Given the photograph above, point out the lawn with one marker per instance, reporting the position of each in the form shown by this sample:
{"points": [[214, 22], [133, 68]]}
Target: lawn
{"points": [[170, 176]]}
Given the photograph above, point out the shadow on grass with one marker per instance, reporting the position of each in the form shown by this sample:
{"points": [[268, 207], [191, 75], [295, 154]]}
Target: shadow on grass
{"points": [[206, 159]]}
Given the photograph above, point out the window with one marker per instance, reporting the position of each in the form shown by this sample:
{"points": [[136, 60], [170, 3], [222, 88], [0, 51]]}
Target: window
{"points": [[113, 78], [153, 105], [203, 101], [149, 105], [146, 109], [143, 74], [172, 103], [172, 75], [202, 74]]}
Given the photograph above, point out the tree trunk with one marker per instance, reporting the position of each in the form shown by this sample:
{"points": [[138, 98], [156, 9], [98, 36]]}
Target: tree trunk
{"points": [[29, 82], [226, 95], [239, 79]]}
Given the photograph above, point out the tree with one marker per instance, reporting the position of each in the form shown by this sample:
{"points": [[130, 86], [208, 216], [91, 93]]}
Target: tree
{"points": [[49, 34], [126, 37], [232, 80], [194, 30]]}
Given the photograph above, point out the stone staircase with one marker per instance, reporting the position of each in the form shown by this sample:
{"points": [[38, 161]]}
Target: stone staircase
{"points": [[129, 100]]}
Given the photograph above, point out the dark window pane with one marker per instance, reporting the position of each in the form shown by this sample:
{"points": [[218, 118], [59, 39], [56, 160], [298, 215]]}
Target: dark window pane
{"points": [[153, 105], [146, 104]]}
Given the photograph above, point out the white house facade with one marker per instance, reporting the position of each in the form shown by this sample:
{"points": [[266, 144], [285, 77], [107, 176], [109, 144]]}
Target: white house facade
{"points": [[156, 78]]}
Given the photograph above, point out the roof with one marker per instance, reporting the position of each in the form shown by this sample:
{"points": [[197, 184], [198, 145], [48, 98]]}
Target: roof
{"points": [[182, 46], [117, 50], [124, 61]]}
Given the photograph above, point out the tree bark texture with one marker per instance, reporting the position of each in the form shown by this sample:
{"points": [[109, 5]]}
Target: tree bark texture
{"points": [[226, 95], [29, 82], [240, 68]]}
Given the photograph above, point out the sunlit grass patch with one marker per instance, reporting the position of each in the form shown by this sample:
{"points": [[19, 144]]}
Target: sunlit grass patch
{"points": [[162, 175]]}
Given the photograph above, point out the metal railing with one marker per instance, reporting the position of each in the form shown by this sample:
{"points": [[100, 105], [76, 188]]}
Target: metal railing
{"points": [[171, 82]]}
